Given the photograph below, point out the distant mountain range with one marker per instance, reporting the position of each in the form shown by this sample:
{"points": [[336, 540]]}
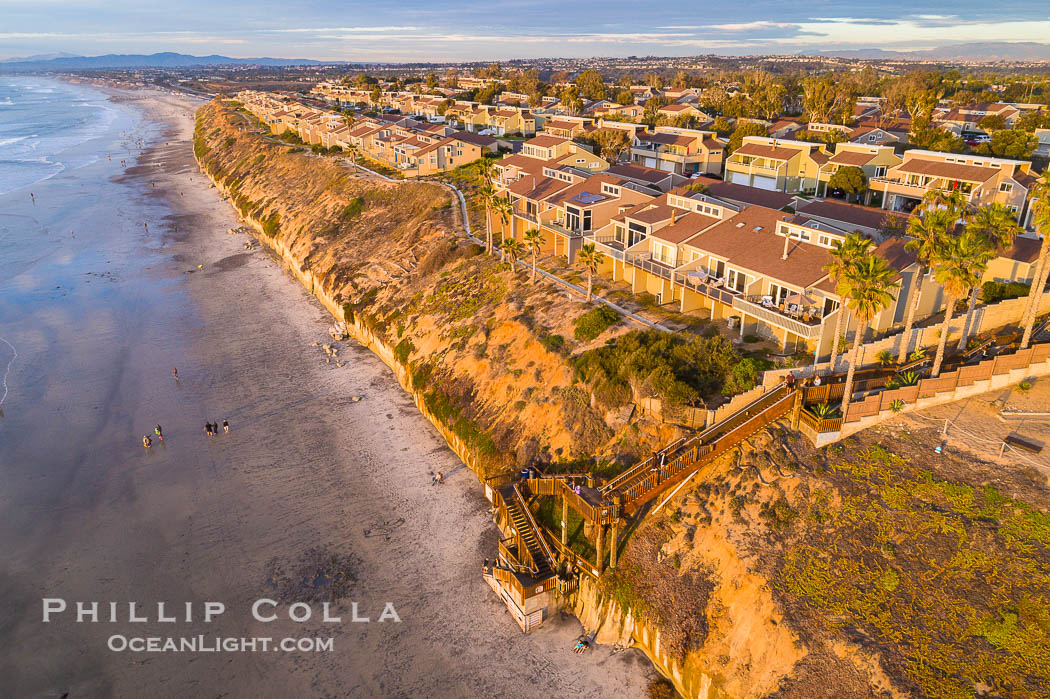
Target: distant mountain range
{"points": [[63, 62], [985, 51]]}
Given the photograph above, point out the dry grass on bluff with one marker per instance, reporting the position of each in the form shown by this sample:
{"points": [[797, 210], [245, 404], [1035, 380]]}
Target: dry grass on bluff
{"points": [[496, 359], [894, 569]]}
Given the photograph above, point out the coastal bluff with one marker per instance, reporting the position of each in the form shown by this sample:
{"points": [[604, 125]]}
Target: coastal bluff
{"points": [[786, 571]]}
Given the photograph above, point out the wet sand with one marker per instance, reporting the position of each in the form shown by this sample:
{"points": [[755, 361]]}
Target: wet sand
{"points": [[90, 515]]}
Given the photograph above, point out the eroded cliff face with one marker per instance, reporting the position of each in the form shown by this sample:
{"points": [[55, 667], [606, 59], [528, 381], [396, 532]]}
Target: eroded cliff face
{"points": [[469, 340], [466, 335]]}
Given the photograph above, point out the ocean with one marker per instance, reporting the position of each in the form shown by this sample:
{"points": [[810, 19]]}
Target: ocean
{"points": [[96, 308], [48, 126]]}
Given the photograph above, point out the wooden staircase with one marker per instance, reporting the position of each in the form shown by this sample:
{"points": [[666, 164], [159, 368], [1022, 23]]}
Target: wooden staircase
{"points": [[533, 554]]}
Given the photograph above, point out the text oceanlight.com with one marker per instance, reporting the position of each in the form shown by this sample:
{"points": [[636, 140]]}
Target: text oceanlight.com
{"points": [[262, 610], [205, 644]]}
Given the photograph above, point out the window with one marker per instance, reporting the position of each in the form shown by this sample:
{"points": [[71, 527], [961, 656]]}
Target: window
{"points": [[716, 268], [1006, 187], [779, 293], [736, 280], [880, 170], [664, 253], [830, 305], [576, 220], [636, 232], [824, 240]]}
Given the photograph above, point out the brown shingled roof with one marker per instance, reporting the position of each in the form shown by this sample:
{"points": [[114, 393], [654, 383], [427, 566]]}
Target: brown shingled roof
{"points": [[853, 158], [537, 188], [749, 195], [851, 214], [685, 227], [951, 171], [761, 251], [546, 141], [764, 151]]}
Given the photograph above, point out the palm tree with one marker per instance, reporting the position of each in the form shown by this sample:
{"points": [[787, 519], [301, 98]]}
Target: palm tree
{"points": [[955, 268], [590, 257], [952, 200], [997, 228], [868, 286], [1041, 218], [514, 250], [484, 171], [843, 255], [488, 195], [534, 243], [926, 233], [504, 208]]}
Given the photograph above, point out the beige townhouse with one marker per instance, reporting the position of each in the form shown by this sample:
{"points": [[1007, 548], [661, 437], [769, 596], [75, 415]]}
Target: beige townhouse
{"points": [[982, 180], [791, 167], [683, 151]]}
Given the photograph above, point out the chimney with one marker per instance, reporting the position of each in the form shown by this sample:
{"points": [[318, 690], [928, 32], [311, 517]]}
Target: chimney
{"points": [[787, 240]]}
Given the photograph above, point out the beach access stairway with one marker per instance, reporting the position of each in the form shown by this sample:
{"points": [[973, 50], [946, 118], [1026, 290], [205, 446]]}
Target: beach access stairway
{"points": [[676, 462], [528, 550]]}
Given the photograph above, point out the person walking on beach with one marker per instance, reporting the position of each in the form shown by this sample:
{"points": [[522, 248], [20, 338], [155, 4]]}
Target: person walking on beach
{"points": [[33, 197], [160, 434], [207, 428], [175, 373], [146, 441], [215, 428], [225, 425]]}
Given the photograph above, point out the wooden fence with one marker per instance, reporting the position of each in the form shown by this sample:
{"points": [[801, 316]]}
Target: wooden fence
{"points": [[950, 381]]}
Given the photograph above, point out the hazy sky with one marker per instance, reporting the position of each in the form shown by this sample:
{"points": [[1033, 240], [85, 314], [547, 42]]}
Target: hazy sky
{"points": [[414, 30]]}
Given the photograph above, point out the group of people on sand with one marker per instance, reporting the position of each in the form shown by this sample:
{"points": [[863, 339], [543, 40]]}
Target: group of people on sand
{"points": [[210, 428]]}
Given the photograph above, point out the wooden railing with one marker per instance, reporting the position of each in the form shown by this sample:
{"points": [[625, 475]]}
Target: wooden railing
{"points": [[571, 557], [821, 424], [643, 481], [536, 530]]}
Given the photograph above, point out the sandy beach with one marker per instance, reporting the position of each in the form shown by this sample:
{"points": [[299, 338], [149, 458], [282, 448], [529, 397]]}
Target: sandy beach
{"points": [[307, 478]]}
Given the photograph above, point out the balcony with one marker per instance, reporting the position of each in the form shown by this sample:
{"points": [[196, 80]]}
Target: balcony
{"points": [[794, 322], [610, 246], [526, 217], [708, 286], [645, 262], [752, 168], [559, 229], [894, 186], [667, 155]]}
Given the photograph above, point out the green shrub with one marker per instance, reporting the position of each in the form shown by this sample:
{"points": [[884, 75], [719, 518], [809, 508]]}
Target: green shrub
{"points": [[824, 410], [553, 343], [594, 322], [677, 368], [994, 292], [271, 225], [908, 378], [403, 350], [744, 375], [751, 339], [353, 209]]}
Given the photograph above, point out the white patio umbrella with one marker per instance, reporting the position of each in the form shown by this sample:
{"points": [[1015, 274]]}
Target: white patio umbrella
{"points": [[799, 300]]}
